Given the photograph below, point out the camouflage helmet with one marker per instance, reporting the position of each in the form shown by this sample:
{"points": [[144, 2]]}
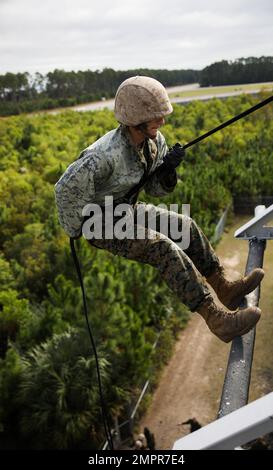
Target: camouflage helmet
{"points": [[141, 99]]}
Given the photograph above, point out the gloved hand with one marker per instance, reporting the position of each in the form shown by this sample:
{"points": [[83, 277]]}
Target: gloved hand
{"points": [[174, 156]]}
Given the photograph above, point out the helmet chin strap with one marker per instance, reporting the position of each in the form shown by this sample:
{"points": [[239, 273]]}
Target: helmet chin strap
{"points": [[138, 134], [143, 129], [146, 135]]}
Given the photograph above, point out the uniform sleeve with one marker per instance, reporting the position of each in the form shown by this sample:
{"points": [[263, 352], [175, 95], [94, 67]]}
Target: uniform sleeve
{"points": [[77, 188], [161, 184]]}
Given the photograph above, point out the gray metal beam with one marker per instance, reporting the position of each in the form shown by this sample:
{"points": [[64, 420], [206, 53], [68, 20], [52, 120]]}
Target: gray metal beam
{"points": [[238, 373], [257, 227]]}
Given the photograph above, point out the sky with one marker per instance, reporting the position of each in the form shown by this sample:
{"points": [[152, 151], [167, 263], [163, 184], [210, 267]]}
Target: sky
{"points": [[38, 36]]}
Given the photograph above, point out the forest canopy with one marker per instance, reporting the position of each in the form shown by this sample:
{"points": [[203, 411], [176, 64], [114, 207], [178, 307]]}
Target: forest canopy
{"points": [[49, 393], [22, 92]]}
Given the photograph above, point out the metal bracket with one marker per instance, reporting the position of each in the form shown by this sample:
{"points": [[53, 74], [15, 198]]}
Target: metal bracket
{"points": [[256, 227]]}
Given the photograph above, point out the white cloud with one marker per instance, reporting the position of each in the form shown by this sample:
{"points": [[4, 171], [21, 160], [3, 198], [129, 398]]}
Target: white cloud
{"points": [[121, 34]]}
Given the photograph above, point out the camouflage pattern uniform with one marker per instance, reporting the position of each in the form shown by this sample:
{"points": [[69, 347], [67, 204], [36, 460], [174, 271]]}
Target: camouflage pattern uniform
{"points": [[181, 269], [112, 166]]}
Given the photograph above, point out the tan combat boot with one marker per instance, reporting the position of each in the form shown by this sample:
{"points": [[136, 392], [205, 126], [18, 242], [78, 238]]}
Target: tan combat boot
{"points": [[231, 293], [225, 324]]}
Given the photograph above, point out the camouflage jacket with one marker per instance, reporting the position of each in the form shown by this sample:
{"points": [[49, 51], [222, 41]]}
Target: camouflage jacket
{"points": [[111, 166]]}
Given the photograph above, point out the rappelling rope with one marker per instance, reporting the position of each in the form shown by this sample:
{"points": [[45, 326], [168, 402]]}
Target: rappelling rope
{"points": [[230, 121], [138, 187], [106, 425]]}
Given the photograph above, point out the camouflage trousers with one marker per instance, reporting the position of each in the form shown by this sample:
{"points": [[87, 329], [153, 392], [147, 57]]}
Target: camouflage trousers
{"points": [[181, 269]]}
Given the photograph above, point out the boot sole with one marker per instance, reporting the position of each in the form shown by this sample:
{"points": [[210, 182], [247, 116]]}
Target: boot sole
{"points": [[229, 338]]}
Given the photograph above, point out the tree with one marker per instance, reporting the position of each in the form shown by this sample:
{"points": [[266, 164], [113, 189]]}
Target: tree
{"points": [[59, 394]]}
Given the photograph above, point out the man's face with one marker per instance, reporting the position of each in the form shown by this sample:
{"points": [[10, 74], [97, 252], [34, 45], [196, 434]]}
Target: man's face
{"points": [[153, 126]]}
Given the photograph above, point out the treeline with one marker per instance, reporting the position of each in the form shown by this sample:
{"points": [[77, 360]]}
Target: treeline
{"points": [[244, 70], [22, 92], [48, 387]]}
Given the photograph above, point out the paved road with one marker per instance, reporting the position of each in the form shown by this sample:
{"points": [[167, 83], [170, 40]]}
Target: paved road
{"points": [[109, 104]]}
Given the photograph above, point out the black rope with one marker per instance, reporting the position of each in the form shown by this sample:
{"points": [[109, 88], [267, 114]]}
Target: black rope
{"points": [[132, 194], [106, 425], [230, 121]]}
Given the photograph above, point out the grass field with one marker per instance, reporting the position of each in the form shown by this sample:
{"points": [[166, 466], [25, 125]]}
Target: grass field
{"points": [[223, 89]]}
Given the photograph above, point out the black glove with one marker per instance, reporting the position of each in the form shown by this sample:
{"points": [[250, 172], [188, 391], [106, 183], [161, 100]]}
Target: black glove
{"points": [[174, 156]]}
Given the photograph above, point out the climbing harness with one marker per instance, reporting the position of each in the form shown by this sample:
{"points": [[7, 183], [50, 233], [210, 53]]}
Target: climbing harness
{"points": [[132, 195]]}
